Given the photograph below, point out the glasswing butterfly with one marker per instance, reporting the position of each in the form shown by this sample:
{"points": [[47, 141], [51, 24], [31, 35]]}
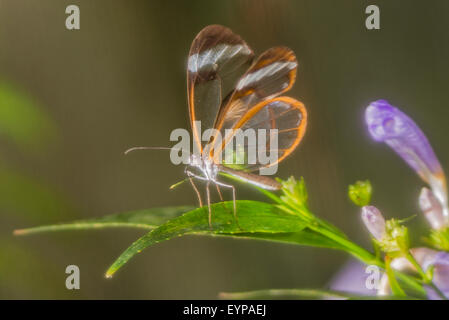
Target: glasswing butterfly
{"points": [[229, 91]]}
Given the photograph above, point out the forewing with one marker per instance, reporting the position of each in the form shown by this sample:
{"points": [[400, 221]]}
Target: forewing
{"points": [[217, 58], [272, 74]]}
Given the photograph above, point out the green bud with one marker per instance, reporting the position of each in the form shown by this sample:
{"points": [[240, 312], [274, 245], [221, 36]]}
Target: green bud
{"points": [[439, 239], [360, 193], [396, 241]]}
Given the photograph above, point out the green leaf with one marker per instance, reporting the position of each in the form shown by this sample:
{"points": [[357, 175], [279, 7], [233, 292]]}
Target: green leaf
{"points": [[257, 220], [150, 219], [253, 217], [145, 219]]}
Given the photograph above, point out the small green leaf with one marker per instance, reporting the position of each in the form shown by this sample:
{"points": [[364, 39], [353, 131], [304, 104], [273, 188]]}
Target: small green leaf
{"points": [[360, 193], [253, 217], [145, 219]]}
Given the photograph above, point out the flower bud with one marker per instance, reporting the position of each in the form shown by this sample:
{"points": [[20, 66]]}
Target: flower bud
{"points": [[432, 209], [360, 193], [389, 124], [374, 221]]}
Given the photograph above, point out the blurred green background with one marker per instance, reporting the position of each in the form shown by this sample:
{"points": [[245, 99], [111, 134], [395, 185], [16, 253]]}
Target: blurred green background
{"points": [[72, 101]]}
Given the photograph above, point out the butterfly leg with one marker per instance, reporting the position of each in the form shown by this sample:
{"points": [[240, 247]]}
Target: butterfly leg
{"points": [[196, 191], [218, 183], [224, 206], [191, 175], [208, 204], [221, 198], [219, 193]]}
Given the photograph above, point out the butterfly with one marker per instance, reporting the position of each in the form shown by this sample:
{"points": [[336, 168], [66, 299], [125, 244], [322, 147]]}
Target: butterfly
{"points": [[228, 91], [231, 92]]}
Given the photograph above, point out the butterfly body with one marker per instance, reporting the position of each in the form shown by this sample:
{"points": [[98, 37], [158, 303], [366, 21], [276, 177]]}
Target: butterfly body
{"points": [[208, 169]]}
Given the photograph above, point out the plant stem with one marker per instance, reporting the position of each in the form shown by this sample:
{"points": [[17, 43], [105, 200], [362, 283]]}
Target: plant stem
{"points": [[281, 293], [418, 268], [438, 291], [357, 251], [424, 276], [394, 285]]}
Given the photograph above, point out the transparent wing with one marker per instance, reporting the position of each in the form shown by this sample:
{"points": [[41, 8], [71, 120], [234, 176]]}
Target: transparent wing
{"points": [[217, 59], [278, 124], [272, 74]]}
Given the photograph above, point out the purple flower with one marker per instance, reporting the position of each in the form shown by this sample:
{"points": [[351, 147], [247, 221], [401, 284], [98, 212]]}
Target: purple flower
{"points": [[432, 209], [390, 125], [352, 278], [374, 221]]}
